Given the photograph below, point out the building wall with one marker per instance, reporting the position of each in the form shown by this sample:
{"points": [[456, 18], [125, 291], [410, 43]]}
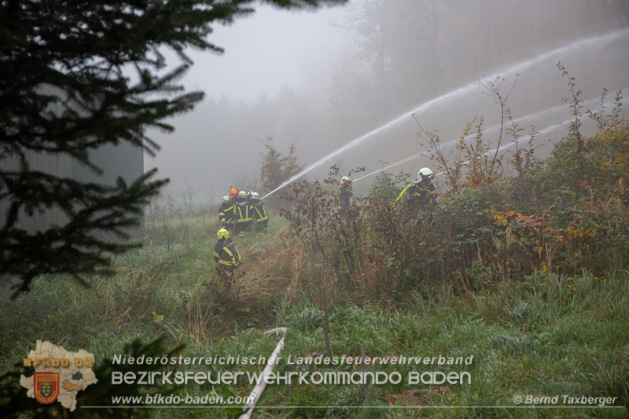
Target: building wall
{"points": [[57, 165], [123, 160]]}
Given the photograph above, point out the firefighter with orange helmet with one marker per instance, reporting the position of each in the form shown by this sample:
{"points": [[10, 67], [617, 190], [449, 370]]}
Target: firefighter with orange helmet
{"points": [[227, 209]]}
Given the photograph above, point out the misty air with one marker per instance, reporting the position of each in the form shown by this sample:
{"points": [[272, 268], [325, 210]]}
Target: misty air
{"points": [[314, 208]]}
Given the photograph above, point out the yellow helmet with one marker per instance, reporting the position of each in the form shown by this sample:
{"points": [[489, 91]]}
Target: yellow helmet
{"points": [[222, 234]]}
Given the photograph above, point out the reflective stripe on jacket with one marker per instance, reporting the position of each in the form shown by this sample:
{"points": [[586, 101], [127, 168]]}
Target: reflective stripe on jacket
{"points": [[221, 211], [229, 212], [230, 260], [242, 212], [225, 253], [418, 195], [259, 212]]}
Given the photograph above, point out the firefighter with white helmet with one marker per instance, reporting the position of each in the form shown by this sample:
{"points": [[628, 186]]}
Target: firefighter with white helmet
{"points": [[343, 194], [421, 192], [243, 215], [260, 216], [221, 210]]}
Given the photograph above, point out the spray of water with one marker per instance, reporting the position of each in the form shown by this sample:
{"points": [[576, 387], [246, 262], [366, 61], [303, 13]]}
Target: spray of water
{"points": [[532, 116], [519, 140], [518, 68], [413, 157], [452, 142]]}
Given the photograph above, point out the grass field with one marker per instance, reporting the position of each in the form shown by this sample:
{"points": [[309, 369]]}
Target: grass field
{"points": [[545, 336]]}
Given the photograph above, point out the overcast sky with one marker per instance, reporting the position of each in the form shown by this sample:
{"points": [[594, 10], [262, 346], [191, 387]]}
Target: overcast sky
{"points": [[264, 51], [267, 49]]}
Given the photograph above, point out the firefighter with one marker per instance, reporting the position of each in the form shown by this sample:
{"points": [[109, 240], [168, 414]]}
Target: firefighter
{"points": [[233, 195], [421, 192], [222, 216], [226, 257], [231, 209], [227, 219], [343, 194], [242, 214], [259, 212]]}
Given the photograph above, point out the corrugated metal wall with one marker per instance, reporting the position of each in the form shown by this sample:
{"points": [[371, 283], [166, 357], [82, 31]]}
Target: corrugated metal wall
{"points": [[57, 165], [123, 160]]}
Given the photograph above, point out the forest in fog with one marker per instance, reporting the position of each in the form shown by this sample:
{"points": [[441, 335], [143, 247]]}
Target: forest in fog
{"points": [[397, 55]]}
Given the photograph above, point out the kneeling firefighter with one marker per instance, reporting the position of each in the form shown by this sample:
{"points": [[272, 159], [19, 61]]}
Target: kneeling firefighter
{"points": [[226, 256]]}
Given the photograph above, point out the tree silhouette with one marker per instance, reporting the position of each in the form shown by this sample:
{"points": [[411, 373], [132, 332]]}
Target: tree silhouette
{"points": [[277, 167]]}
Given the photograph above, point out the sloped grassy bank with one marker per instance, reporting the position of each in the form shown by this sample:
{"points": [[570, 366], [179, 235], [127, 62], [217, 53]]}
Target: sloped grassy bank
{"points": [[544, 336]]}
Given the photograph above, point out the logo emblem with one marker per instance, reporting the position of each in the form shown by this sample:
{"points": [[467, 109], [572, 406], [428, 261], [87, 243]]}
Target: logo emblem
{"points": [[46, 387]]}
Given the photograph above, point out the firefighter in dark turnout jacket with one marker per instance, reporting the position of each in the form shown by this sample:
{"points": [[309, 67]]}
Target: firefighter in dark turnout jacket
{"points": [[259, 212], [223, 217], [421, 192], [226, 256], [242, 214], [229, 210], [343, 194]]}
